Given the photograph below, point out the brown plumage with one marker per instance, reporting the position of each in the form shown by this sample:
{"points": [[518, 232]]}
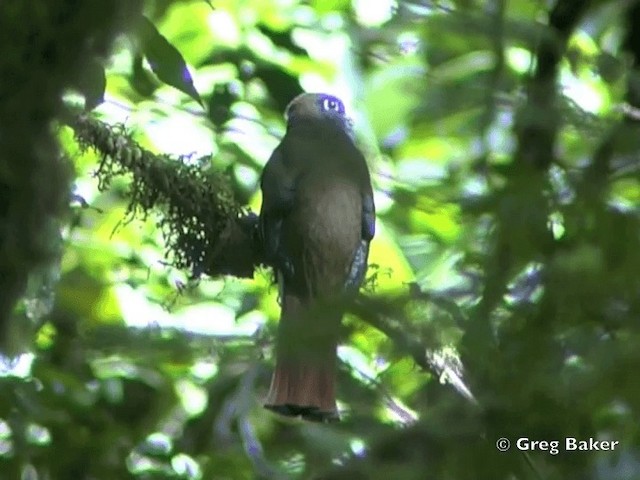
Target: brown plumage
{"points": [[316, 220]]}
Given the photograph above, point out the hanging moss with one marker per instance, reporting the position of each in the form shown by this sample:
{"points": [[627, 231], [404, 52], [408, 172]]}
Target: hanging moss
{"points": [[205, 229]]}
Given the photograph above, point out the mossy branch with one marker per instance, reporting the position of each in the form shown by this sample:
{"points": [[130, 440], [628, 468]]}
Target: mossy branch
{"points": [[205, 230]]}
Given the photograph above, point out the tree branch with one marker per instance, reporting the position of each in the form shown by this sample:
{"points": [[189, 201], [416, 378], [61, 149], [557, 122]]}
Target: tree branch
{"points": [[205, 230]]}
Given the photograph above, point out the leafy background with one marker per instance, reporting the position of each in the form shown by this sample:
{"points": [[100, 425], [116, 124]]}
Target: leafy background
{"points": [[503, 142]]}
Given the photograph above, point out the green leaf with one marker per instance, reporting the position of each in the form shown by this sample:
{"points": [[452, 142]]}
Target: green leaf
{"points": [[165, 60], [91, 84]]}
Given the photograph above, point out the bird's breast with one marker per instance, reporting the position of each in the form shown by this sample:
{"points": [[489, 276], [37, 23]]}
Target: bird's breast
{"points": [[323, 230]]}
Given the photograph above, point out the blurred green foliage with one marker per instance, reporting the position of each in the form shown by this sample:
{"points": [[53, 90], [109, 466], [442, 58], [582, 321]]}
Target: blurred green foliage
{"points": [[504, 291]]}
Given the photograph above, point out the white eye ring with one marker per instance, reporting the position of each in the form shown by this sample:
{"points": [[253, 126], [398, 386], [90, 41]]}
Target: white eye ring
{"points": [[330, 104]]}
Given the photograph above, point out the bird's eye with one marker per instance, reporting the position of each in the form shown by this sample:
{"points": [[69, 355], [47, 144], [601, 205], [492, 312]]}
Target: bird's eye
{"points": [[329, 104]]}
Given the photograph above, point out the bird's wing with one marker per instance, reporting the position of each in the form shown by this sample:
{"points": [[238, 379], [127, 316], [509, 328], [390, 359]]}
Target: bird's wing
{"points": [[278, 192], [368, 216]]}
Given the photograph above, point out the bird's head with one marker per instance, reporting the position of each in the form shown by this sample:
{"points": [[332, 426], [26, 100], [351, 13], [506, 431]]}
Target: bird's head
{"points": [[318, 107]]}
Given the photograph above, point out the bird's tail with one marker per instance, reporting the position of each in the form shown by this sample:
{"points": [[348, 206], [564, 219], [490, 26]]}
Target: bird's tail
{"points": [[304, 381]]}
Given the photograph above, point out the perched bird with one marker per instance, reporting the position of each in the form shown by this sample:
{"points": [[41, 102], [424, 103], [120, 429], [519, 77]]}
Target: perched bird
{"points": [[316, 222]]}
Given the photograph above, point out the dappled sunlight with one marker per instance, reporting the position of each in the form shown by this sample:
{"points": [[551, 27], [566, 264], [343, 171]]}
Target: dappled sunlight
{"points": [[143, 250]]}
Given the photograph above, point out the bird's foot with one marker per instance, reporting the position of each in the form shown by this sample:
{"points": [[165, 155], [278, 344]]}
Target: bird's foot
{"points": [[284, 265]]}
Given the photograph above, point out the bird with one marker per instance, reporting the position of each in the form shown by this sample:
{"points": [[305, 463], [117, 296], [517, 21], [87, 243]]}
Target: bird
{"points": [[316, 222]]}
